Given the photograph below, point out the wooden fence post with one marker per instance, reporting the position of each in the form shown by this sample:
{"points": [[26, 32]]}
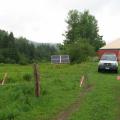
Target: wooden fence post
{"points": [[82, 80], [4, 78], [37, 80]]}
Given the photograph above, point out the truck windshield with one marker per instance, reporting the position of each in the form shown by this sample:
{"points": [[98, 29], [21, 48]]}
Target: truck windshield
{"points": [[109, 57]]}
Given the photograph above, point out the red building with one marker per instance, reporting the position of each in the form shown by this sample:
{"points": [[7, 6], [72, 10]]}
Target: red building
{"points": [[113, 47]]}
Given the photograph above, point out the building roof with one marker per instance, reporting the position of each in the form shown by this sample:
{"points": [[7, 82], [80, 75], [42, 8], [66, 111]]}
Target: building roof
{"points": [[113, 45]]}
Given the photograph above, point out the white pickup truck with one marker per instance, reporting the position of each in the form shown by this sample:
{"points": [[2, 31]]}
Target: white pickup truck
{"points": [[108, 62]]}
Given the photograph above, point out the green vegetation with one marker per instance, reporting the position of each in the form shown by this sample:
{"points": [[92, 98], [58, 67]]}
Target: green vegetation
{"points": [[80, 51], [22, 51], [81, 38], [82, 25], [60, 88], [18, 101]]}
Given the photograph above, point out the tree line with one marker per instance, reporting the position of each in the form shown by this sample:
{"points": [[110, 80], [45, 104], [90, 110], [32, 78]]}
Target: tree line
{"points": [[22, 51]]}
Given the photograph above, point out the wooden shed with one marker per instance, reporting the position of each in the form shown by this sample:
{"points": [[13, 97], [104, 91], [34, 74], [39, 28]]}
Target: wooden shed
{"points": [[113, 47]]}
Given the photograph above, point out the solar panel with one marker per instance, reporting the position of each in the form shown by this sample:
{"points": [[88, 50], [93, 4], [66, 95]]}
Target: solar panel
{"points": [[59, 59]]}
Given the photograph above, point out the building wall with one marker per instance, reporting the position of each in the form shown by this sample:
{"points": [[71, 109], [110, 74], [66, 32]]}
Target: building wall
{"points": [[119, 56], [103, 51]]}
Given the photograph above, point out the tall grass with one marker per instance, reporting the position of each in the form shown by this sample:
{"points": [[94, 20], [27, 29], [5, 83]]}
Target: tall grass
{"points": [[59, 88]]}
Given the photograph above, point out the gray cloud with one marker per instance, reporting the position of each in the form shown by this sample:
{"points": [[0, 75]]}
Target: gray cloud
{"points": [[43, 20]]}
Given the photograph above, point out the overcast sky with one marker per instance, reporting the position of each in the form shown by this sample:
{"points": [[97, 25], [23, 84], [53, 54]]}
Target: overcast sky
{"points": [[44, 20]]}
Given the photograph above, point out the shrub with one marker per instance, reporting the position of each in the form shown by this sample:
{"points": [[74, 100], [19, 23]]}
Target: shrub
{"points": [[9, 60], [27, 77], [80, 51], [23, 60]]}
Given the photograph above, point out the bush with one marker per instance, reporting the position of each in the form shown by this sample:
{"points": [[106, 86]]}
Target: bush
{"points": [[80, 51], [23, 63], [27, 77], [2, 59], [11, 61], [23, 59]]}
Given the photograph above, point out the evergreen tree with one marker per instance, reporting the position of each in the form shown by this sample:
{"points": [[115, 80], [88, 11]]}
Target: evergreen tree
{"points": [[20, 50], [13, 55]]}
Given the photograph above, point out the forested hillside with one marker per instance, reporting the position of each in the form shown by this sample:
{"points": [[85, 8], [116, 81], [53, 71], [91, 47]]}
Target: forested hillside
{"points": [[20, 50]]}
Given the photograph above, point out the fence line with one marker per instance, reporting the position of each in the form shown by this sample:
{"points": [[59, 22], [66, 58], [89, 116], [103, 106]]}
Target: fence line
{"points": [[15, 84]]}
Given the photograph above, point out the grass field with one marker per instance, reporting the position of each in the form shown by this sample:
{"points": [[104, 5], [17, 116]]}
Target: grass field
{"points": [[60, 89]]}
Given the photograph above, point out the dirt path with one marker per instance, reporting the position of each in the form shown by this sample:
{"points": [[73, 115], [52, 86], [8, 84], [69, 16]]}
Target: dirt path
{"points": [[65, 114]]}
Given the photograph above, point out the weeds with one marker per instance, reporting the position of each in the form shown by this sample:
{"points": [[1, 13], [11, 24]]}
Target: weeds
{"points": [[27, 77], [59, 89]]}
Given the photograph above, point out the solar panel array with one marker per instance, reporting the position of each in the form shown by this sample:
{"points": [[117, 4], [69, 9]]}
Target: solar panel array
{"points": [[60, 59]]}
